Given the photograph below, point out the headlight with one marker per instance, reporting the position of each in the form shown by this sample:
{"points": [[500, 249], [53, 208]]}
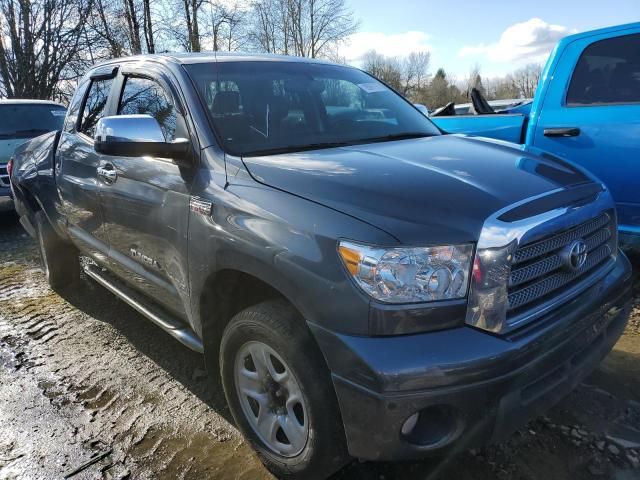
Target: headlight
{"points": [[409, 274]]}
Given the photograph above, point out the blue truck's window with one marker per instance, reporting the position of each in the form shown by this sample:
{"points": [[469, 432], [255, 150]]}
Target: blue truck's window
{"points": [[29, 120], [144, 96], [94, 105], [608, 72], [260, 108]]}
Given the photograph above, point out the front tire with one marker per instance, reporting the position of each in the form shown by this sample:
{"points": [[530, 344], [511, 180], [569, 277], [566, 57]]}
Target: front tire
{"points": [[280, 393], [59, 258]]}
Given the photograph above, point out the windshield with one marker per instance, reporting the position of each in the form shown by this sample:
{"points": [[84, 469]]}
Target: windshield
{"points": [[268, 107], [29, 120]]}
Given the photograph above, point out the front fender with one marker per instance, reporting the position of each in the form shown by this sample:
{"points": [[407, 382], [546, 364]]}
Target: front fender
{"points": [[286, 242]]}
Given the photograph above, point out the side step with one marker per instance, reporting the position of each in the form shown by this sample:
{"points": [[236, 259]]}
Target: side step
{"points": [[164, 320]]}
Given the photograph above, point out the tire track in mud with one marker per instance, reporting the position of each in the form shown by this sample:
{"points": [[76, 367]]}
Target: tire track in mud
{"points": [[113, 381]]}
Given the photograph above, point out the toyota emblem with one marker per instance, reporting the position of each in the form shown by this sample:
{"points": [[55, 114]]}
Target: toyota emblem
{"points": [[574, 255]]}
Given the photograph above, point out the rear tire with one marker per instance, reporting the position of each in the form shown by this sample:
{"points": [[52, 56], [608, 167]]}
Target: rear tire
{"points": [[59, 258], [294, 388]]}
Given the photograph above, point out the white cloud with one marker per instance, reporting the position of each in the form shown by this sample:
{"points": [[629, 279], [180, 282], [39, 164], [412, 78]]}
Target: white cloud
{"points": [[391, 45], [529, 41]]}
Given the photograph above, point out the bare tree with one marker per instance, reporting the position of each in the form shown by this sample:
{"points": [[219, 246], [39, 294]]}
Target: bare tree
{"points": [[526, 79], [474, 80], [501, 88], [387, 69], [40, 43], [148, 26], [272, 27], [191, 13], [407, 75], [415, 72], [307, 28], [106, 31], [131, 14]]}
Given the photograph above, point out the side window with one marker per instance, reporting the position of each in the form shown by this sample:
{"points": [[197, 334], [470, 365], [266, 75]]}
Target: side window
{"points": [[71, 120], [95, 105], [608, 72], [144, 96]]}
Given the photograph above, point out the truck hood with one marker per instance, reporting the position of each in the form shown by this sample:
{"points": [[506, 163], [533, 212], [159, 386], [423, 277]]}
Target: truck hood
{"points": [[435, 189]]}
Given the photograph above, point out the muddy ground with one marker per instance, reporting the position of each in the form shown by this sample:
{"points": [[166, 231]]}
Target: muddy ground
{"points": [[84, 378]]}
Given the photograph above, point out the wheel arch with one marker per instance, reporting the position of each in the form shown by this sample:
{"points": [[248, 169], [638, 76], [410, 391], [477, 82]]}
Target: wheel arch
{"points": [[224, 294]]}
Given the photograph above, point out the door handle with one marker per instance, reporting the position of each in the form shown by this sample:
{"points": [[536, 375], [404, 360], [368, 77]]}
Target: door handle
{"points": [[108, 175], [562, 132]]}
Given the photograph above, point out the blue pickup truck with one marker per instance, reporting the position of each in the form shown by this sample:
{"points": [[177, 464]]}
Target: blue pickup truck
{"points": [[586, 109]]}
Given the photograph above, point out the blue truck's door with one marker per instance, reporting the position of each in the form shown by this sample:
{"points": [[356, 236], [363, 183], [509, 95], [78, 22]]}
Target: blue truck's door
{"points": [[591, 115]]}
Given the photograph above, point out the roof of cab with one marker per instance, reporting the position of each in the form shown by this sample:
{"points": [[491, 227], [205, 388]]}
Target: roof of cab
{"points": [[28, 101], [601, 31], [210, 57]]}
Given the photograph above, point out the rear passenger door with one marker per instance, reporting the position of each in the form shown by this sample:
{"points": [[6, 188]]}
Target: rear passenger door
{"points": [[146, 207], [591, 115], [76, 164]]}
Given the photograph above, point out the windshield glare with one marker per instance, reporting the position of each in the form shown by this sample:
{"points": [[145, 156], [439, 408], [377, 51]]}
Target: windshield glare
{"points": [[24, 121], [268, 107]]}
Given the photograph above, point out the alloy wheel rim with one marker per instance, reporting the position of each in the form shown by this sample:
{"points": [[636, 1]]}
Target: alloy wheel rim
{"points": [[271, 399]]}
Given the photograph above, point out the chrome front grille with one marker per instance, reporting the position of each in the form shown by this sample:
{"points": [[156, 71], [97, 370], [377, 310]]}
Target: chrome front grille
{"points": [[4, 175], [558, 241], [539, 273]]}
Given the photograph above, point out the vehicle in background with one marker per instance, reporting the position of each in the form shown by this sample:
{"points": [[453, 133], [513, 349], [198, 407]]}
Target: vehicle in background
{"points": [[19, 121], [422, 108], [363, 285], [498, 106], [586, 110]]}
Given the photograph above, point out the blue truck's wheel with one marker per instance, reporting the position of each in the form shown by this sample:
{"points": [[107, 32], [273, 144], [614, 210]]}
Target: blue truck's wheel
{"points": [[59, 259], [280, 393]]}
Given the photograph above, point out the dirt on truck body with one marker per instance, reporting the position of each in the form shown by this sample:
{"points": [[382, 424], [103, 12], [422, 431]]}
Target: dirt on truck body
{"points": [[89, 389]]}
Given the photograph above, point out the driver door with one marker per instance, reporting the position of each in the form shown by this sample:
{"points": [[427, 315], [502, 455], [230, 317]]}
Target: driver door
{"points": [[146, 202]]}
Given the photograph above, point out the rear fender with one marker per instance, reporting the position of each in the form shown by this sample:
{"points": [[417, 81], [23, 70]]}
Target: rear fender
{"points": [[34, 175]]}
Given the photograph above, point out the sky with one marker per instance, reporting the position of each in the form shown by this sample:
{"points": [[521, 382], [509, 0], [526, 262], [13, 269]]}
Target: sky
{"points": [[497, 35]]}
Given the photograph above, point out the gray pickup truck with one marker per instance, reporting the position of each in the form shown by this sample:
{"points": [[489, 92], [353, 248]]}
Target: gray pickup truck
{"points": [[362, 284]]}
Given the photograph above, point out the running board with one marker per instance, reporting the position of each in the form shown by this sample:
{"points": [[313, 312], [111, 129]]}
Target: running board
{"points": [[172, 326]]}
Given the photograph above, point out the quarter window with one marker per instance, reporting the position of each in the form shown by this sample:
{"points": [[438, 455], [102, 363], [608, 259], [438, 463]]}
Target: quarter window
{"points": [[144, 96], [608, 72], [95, 105]]}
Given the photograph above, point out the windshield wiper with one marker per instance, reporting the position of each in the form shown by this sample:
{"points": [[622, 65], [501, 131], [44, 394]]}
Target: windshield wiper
{"points": [[296, 148], [396, 136]]}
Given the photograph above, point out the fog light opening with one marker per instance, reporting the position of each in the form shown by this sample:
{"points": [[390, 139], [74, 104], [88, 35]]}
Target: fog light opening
{"points": [[432, 427]]}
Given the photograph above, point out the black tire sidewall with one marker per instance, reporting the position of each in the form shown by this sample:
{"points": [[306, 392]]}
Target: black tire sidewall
{"points": [[275, 325], [59, 258]]}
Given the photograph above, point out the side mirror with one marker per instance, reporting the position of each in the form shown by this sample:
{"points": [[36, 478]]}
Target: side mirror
{"points": [[136, 136]]}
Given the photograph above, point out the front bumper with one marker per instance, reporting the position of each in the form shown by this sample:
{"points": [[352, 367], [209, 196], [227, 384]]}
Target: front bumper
{"points": [[472, 387]]}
